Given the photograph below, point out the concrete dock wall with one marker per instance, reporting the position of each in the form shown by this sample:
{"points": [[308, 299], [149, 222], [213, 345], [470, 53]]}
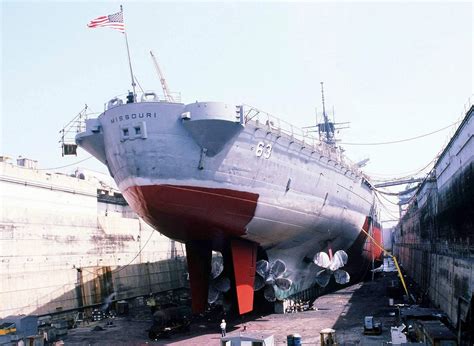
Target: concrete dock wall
{"points": [[434, 239], [445, 273], [61, 247]]}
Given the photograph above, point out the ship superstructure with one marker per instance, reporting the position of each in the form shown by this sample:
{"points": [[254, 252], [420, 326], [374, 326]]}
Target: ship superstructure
{"points": [[272, 199]]}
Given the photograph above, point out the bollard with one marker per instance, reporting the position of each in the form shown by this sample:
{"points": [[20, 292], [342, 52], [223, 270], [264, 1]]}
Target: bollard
{"points": [[328, 337]]}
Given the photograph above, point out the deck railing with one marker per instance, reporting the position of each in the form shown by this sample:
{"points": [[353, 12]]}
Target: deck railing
{"points": [[259, 118], [146, 96], [303, 137]]}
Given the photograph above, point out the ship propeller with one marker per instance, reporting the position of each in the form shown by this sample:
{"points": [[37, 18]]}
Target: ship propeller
{"points": [[217, 284], [271, 277], [331, 267]]}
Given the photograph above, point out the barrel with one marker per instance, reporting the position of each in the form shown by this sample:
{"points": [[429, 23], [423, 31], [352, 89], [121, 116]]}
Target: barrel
{"points": [[290, 340], [296, 340]]}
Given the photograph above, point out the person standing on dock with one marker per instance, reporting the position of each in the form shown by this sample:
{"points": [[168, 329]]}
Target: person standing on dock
{"points": [[223, 325]]}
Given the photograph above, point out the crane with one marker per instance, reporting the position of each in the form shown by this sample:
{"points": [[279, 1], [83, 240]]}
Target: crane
{"points": [[166, 91]]}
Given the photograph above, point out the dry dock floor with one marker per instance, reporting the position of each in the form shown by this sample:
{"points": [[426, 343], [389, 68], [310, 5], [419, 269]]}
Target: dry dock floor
{"points": [[343, 310]]}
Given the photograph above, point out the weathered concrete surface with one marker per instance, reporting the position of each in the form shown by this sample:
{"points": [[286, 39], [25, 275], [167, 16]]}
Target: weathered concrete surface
{"points": [[64, 244], [445, 272], [434, 238], [343, 310]]}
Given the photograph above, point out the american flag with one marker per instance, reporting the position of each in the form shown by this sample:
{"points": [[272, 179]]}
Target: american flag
{"points": [[113, 21]]}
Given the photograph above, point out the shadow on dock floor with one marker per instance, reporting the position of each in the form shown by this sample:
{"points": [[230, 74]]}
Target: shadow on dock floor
{"points": [[343, 310]]}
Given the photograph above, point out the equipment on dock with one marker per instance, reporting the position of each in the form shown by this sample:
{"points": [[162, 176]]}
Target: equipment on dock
{"points": [[18, 327], [293, 340], [170, 320], [122, 307], [371, 327], [434, 333], [7, 328], [248, 339], [397, 335], [98, 315], [328, 337]]}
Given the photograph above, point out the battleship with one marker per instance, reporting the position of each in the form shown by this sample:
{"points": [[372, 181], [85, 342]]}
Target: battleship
{"points": [[285, 209]]}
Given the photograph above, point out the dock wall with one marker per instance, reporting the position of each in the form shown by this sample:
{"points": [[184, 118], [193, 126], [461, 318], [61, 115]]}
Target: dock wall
{"points": [[63, 247], [434, 239], [444, 273]]}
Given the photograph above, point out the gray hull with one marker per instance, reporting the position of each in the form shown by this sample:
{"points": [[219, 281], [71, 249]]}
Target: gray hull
{"points": [[215, 172]]}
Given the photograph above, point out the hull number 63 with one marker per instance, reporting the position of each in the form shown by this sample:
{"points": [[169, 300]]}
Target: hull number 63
{"points": [[263, 149]]}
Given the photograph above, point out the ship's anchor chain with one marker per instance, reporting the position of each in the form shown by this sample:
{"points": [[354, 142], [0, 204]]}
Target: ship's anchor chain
{"points": [[330, 266], [271, 277]]}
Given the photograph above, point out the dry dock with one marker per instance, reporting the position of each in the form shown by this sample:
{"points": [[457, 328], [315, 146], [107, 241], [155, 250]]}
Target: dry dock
{"points": [[343, 311]]}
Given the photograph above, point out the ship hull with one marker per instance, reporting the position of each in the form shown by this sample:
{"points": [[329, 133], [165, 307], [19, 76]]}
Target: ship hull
{"points": [[199, 173], [194, 213]]}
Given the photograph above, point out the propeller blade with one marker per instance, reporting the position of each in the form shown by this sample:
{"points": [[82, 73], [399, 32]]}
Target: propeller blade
{"points": [[342, 277], [344, 256], [212, 294], [320, 272], [269, 293], [222, 284], [322, 279], [339, 260], [258, 283], [270, 279], [321, 259], [278, 268], [283, 283], [263, 268], [217, 266]]}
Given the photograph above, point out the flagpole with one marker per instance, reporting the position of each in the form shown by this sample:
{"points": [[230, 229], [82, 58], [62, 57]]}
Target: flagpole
{"points": [[129, 60]]}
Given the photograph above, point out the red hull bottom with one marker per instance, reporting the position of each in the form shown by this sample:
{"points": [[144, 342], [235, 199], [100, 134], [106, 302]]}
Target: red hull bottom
{"points": [[194, 213], [209, 219], [205, 219]]}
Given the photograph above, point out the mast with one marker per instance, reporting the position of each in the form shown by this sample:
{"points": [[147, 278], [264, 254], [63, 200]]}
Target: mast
{"points": [[129, 61], [327, 127]]}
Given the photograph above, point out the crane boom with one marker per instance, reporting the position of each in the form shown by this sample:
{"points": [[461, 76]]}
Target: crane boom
{"points": [[164, 86]]}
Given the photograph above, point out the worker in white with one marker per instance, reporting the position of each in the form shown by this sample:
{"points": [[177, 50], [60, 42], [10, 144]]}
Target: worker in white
{"points": [[223, 325]]}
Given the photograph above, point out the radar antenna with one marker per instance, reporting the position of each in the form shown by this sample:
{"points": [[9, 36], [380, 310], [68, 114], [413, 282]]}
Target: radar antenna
{"points": [[326, 129]]}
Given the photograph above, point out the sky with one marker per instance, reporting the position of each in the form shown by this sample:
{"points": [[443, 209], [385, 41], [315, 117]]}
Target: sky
{"points": [[394, 70]]}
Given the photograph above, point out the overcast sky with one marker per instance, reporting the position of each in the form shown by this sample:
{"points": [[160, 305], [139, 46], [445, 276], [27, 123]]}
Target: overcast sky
{"points": [[393, 70]]}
